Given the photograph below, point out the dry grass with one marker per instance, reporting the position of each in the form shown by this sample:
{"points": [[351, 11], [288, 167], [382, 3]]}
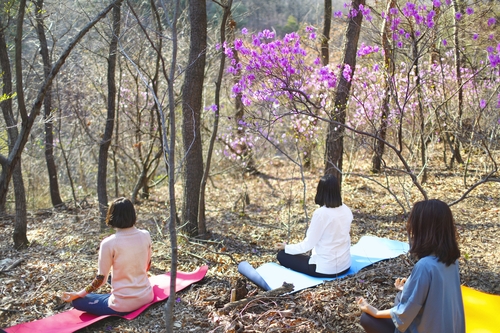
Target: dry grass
{"points": [[246, 216]]}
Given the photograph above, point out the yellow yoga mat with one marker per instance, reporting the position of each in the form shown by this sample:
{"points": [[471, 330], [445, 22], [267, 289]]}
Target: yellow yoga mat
{"points": [[481, 311]]}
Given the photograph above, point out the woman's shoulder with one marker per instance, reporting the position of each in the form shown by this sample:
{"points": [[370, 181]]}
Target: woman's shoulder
{"points": [[323, 210], [332, 212], [144, 233], [428, 264], [342, 209], [427, 261], [108, 240]]}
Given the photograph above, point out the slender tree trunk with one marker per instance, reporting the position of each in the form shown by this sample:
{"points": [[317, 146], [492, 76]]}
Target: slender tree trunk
{"points": [[327, 23], [114, 147], [66, 162], [458, 64], [246, 151], [335, 133], [309, 145], [170, 161], [110, 119], [6, 105], [20, 226], [202, 227], [191, 115], [423, 142], [21, 221], [389, 67], [55, 195]]}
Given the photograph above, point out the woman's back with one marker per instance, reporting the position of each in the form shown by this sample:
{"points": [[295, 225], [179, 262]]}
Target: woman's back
{"points": [[433, 294], [128, 251]]}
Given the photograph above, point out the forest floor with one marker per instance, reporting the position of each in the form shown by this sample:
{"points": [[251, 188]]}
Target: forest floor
{"points": [[246, 216]]}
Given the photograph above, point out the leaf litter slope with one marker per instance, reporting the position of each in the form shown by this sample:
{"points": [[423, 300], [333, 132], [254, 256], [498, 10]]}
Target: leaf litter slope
{"points": [[247, 215]]}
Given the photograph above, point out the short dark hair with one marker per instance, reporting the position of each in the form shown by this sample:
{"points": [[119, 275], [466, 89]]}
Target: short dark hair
{"points": [[121, 214], [431, 231], [328, 192]]}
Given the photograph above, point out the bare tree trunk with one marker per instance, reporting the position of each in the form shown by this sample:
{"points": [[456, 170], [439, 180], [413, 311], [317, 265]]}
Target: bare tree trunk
{"points": [[191, 115], [325, 59], [20, 238], [389, 66], [110, 119], [6, 104], [458, 64], [246, 151], [55, 195], [170, 161], [202, 227], [21, 221], [66, 162], [327, 23], [335, 134], [20, 226], [115, 146], [423, 141]]}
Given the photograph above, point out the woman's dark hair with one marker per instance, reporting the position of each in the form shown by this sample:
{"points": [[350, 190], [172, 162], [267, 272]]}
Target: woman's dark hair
{"points": [[328, 192], [432, 231], [121, 214]]}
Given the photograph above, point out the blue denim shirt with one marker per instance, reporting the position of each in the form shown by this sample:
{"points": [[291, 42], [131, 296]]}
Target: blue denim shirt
{"points": [[431, 301]]}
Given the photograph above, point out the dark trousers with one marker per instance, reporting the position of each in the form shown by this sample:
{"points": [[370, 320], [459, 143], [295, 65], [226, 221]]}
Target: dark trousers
{"points": [[300, 263], [96, 304], [379, 325]]}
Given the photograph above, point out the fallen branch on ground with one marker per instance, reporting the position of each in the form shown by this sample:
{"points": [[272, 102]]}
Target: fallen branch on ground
{"points": [[285, 288], [12, 266]]}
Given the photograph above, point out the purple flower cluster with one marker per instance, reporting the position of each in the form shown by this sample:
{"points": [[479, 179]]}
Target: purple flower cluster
{"points": [[436, 81], [346, 72], [423, 19], [277, 70], [364, 50], [288, 87], [494, 55]]}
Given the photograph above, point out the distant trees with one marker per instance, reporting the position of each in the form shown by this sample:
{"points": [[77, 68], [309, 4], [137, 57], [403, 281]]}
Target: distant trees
{"points": [[17, 140], [421, 77]]}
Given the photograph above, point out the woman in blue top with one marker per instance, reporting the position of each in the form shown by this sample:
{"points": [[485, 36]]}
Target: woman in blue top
{"points": [[430, 300]]}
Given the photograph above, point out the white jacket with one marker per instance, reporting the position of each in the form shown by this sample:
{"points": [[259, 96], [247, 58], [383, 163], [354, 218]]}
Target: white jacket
{"points": [[328, 237]]}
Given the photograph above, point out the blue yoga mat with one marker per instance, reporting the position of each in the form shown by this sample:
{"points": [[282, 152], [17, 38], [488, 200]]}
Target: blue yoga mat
{"points": [[367, 251]]}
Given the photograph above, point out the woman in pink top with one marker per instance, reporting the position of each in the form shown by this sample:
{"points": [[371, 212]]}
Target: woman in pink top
{"points": [[327, 236], [128, 254]]}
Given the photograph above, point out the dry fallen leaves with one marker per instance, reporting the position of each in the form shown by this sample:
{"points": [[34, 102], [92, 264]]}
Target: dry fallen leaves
{"points": [[63, 255]]}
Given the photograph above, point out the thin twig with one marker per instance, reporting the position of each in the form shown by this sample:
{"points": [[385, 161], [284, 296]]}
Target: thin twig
{"points": [[12, 266]]}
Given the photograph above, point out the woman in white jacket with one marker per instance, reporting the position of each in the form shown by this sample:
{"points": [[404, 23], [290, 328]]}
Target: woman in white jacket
{"points": [[328, 236]]}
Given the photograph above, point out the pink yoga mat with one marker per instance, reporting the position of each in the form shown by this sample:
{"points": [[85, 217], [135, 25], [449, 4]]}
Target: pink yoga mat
{"points": [[73, 320]]}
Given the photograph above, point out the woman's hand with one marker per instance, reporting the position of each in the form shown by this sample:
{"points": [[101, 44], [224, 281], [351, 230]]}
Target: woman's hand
{"points": [[69, 296], [371, 310], [366, 307], [400, 283], [280, 246]]}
